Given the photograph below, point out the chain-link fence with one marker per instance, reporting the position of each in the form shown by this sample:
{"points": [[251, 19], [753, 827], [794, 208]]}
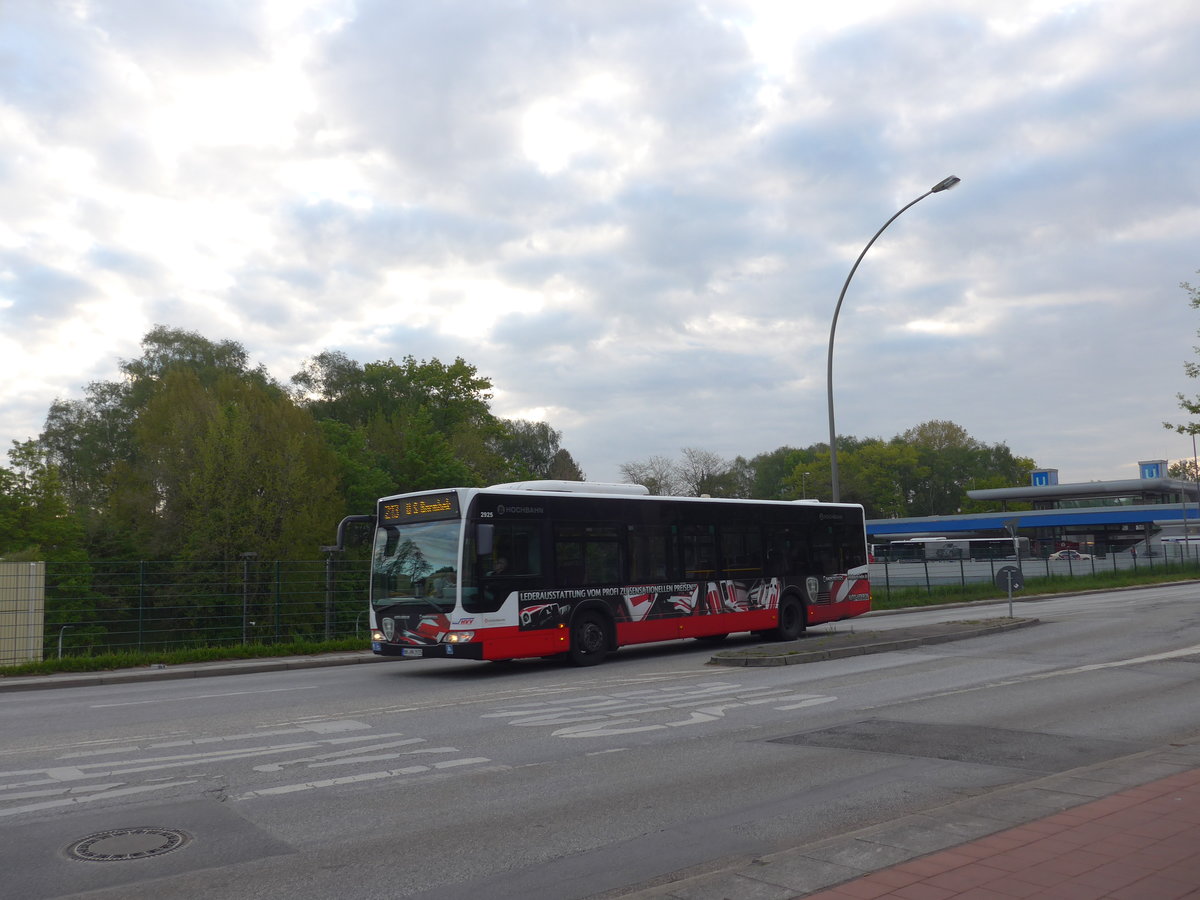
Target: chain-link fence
{"points": [[111, 607]]}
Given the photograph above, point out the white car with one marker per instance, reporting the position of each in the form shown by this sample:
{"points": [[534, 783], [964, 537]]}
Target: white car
{"points": [[1069, 554]]}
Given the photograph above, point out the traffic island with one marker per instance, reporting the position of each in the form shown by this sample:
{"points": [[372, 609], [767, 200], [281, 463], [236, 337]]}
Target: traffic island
{"points": [[818, 646]]}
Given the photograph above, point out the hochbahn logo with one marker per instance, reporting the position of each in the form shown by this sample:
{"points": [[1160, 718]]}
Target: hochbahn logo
{"points": [[519, 510]]}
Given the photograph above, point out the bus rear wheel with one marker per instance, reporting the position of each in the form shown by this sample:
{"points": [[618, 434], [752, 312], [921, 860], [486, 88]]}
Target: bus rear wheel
{"points": [[589, 639], [791, 620]]}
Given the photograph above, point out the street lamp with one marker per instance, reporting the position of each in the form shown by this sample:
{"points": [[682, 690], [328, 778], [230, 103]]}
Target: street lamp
{"points": [[944, 185], [804, 484]]}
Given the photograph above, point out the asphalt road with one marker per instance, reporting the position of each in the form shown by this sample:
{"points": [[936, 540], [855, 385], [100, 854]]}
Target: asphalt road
{"points": [[441, 779]]}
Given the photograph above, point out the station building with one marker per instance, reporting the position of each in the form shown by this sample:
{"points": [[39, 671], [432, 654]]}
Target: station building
{"points": [[1152, 515]]}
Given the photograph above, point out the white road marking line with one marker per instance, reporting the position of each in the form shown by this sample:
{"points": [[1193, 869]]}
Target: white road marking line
{"points": [[117, 768], [323, 757], [361, 777], [71, 801], [308, 687]]}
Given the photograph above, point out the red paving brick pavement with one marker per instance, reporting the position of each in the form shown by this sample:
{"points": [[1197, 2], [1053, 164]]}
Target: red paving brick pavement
{"points": [[1139, 844]]}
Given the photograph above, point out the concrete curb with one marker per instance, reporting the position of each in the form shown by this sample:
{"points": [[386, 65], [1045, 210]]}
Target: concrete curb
{"points": [[792, 653], [189, 670]]}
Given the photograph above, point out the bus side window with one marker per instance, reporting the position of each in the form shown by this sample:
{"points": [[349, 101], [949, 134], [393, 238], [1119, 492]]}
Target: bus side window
{"points": [[516, 550], [649, 554], [741, 554], [516, 554], [699, 552], [587, 553]]}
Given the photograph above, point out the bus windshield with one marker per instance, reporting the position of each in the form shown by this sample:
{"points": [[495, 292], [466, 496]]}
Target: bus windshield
{"points": [[416, 564]]}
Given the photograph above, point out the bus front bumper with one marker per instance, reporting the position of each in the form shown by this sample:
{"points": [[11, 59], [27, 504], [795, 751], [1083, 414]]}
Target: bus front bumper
{"points": [[428, 651]]}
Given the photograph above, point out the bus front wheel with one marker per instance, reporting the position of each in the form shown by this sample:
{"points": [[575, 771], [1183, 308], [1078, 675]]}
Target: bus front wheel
{"points": [[589, 639], [791, 620]]}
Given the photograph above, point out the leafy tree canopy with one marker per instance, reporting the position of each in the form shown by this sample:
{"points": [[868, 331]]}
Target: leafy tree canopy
{"points": [[35, 521], [194, 452], [926, 470]]}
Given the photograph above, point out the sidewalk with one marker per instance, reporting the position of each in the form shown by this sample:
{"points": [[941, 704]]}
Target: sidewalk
{"points": [[1140, 844], [1125, 829]]}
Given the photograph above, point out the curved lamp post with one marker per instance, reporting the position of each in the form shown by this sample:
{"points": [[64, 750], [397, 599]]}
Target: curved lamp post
{"points": [[944, 185]]}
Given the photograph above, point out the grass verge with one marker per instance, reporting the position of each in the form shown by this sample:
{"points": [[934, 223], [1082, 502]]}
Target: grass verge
{"points": [[902, 598]]}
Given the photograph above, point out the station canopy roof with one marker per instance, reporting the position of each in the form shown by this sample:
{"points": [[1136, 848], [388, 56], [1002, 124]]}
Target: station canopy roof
{"points": [[996, 522], [1088, 490]]}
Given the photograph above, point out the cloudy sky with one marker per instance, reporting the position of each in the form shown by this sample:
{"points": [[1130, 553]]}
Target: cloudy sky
{"points": [[634, 216]]}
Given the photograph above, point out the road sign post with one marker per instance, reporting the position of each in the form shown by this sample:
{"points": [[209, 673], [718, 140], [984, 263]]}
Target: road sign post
{"points": [[1011, 579]]}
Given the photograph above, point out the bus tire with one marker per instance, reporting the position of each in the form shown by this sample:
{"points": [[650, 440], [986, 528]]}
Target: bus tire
{"points": [[591, 637], [791, 619]]}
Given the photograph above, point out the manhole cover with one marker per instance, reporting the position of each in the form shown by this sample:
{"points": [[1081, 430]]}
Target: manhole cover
{"points": [[123, 844]]}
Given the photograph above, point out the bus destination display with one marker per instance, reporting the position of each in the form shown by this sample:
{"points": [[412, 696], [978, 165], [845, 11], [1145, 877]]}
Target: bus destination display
{"points": [[410, 509]]}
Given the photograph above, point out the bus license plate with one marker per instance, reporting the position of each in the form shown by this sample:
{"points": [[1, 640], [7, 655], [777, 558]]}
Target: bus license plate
{"points": [[412, 651]]}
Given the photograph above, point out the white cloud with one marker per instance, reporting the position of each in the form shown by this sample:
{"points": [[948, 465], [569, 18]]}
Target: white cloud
{"points": [[635, 218]]}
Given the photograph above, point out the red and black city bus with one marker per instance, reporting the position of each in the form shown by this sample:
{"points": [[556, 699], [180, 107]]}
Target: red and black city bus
{"points": [[578, 569]]}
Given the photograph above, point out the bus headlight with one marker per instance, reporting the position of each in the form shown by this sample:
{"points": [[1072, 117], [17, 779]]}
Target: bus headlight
{"points": [[389, 628], [458, 637], [377, 635]]}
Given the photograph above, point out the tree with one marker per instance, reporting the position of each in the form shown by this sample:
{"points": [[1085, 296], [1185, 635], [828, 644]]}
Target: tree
{"points": [[702, 472], [884, 477], [926, 470], [739, 478], [416, 455], [88, 439], [531, 447], [193, 453], [812, 477], [564, 468], [35, 519], [361, 476], [333, 386], [771, 471], [657, 474], [1190, 405], [404, 410], [946, 454], [226, 468], [1184, 470], [697, 473]]}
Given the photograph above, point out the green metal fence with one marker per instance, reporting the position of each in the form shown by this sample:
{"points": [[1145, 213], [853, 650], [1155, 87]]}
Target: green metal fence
{"points": [[102, 607], [929, 574], [106, 607]]}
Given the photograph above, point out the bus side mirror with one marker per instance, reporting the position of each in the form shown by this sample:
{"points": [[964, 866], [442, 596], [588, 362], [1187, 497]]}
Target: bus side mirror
{"points": [[483, 539]]}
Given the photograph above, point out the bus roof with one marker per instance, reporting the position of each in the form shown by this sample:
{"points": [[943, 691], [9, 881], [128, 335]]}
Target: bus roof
{"points": [[609, 489], [574, 487]]}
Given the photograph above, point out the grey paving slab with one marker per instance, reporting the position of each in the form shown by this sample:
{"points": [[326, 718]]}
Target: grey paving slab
{"points": [[859, 854]]}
